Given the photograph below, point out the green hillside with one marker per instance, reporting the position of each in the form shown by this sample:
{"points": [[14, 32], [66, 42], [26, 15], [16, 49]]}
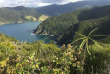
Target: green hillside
{"points": [[57, 24], [18, 14], [82, 21], [84, 27]]}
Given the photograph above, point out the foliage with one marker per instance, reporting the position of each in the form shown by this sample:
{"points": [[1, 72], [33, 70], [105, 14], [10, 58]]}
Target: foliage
{"points": [[98, 62], [81, 21], [40, 58], [30, 18], [85, 46], [57, 24], [42, 18], [18, 14]]}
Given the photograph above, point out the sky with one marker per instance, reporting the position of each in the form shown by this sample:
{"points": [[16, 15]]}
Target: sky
{"points": [[32, 3]]}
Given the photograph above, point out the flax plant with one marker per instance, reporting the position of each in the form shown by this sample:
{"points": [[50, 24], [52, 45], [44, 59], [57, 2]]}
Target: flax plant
{"points": [[85, 44]]}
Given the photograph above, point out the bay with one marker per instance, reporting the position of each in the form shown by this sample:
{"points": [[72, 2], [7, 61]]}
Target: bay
{"points": [[23, 32]]}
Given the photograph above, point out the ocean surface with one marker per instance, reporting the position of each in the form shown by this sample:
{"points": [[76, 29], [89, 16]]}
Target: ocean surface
{"points": [[23, 32]]}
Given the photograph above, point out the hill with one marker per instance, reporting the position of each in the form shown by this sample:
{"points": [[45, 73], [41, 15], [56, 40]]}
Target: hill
{"points": [[53, 10], [19, 14], [84, 27], [64, 26]]}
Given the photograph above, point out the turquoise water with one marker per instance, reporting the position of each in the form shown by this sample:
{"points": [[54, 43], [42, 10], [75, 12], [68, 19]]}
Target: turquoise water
{"points": [[22, 32]]}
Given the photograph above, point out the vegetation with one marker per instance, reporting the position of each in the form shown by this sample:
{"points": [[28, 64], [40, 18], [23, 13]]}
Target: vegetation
{"points": [[57, 24], [19, 14], [42, 18], [81, 21], [30, 18], [87, 53], [37, 57], [84, 52]]}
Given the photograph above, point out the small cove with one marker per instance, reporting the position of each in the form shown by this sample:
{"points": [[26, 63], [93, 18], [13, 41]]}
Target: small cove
{"points": [[23, 31]]}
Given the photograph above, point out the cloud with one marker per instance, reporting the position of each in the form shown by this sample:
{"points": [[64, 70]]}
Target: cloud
{"points": [[32, 3], [60, 1]]}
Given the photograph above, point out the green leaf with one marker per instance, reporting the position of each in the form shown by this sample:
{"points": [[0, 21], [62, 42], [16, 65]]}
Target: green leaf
{"points": [[87, 46], [82, 44], [77, 40], [101, 35], [92, 40], [93, 31], [80, 34]]}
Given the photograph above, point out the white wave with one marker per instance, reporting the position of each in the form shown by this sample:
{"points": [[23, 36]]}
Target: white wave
{"points": [[33, 34]]}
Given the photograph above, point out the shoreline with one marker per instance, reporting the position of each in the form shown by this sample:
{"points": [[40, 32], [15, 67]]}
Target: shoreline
{"points": [[12, 23], [18, 23], [41, 34]]}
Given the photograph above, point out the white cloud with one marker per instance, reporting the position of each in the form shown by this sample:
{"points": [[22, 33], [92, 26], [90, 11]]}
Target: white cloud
{"points": [[68, 1], [32, 3], [1, 1]]}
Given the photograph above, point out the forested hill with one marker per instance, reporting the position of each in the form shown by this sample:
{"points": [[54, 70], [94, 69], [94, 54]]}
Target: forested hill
{"points": [[54, 9], [84, 27], [19, 14], [65, 26]]}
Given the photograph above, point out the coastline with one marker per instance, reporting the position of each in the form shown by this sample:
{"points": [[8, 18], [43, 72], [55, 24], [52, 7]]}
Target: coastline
{"points": [[42, 34], [2, 23]]}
